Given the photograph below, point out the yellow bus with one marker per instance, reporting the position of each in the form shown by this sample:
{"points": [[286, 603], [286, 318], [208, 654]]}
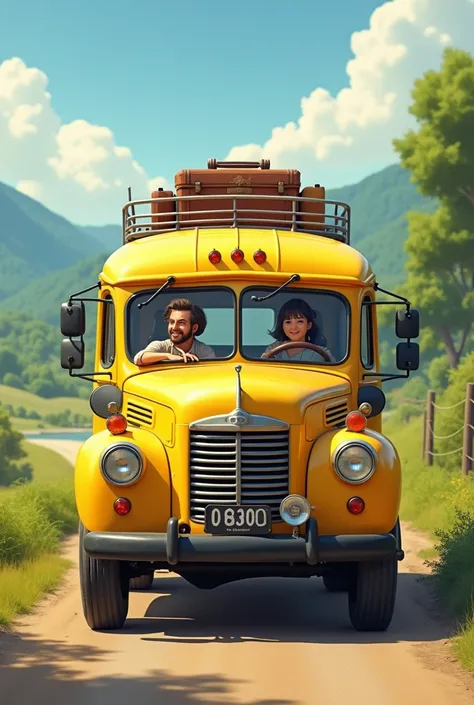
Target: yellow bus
{"points": [[247, 442]]}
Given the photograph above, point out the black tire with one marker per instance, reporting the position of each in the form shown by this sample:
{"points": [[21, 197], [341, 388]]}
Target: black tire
{"points": [[104, 589], [335, 582], [372, 595], [144, 582]]}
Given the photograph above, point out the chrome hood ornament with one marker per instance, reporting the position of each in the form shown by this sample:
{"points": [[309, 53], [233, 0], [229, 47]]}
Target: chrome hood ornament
{"points": [[238, 418]]}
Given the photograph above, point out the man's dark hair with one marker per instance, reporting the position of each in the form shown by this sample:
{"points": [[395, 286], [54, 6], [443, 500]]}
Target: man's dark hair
{"points": [[298, 307], [197, 314]]}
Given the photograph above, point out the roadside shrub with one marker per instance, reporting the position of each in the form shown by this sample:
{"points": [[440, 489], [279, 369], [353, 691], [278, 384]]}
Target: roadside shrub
{"points": [[454, 569], [33, 519], [56, 502], [25, 531]]}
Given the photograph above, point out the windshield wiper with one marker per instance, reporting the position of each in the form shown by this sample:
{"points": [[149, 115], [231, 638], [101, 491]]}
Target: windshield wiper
{"points": [[169, 282], [293, 278]]}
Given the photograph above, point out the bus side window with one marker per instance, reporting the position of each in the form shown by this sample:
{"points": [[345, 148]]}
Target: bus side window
{"points": [[366, 336], [108, 333]]}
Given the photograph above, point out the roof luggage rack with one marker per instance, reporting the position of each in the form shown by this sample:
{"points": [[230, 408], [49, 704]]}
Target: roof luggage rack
{"points": [[138, 220]]}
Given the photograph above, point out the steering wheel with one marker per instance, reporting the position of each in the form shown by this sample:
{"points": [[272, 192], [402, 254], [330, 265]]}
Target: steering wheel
{"points": [[295, 344]]}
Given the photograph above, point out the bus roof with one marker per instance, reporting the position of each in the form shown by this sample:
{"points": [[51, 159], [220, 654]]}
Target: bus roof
{"points": [[185, 254]]}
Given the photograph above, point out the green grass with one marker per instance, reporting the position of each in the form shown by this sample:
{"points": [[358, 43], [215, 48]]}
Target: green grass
{"points": [[441, 502], [430, 494], [428, 553], [28, 424], [21, 587], [48, 466], [33, 520], [20, 397]]}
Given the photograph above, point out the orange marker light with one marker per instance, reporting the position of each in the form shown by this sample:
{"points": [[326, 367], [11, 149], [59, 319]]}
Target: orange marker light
{"points": [[237, 256], [122, 506], [356, 505], [355, 421], [116, 424], [215, 256], [260, 256]]}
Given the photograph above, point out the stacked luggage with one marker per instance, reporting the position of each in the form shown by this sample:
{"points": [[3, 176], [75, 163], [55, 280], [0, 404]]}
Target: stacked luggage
{"points": [[228, 178]]}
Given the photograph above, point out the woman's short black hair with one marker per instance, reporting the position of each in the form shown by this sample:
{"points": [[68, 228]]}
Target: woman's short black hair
{"points": [[298, 307]]}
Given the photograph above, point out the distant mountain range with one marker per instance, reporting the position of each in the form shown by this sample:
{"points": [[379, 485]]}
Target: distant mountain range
{"points": [[44, 257], [35, 242]]}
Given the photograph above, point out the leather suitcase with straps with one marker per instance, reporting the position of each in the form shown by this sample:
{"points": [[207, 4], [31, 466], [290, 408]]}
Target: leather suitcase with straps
{"points": [[254, 178]]}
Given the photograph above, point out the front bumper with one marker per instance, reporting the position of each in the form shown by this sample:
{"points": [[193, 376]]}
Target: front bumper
{"points": [[174, 549]]}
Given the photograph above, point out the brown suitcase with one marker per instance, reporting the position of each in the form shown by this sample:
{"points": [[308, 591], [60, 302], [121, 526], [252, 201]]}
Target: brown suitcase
{"points": [[311, 215], [163, 212], [237, 178]]}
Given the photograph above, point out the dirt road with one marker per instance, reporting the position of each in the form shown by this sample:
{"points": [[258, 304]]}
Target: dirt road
{"points": [[260, 642]]}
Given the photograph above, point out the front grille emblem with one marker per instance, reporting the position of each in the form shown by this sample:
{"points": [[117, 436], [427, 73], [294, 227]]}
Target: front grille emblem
{"points": [[237, 419]]}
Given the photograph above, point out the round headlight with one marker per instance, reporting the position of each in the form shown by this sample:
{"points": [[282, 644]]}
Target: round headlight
{"points": [[121, 464], [355, 462], [295, 509]]}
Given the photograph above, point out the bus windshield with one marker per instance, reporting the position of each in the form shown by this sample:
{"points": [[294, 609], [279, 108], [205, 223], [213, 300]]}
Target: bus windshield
{"points": [[318, 317], [147, 324]]}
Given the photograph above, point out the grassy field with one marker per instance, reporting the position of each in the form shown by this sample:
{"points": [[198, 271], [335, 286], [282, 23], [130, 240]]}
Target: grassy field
{"points": [[442, 504], [20, 397], [21, 587], [33, 519], [48, 466]]}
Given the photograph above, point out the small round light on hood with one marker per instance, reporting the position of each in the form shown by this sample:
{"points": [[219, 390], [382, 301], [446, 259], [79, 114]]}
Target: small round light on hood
{"points": [[214, 256], [237, 256], [260, 256]]}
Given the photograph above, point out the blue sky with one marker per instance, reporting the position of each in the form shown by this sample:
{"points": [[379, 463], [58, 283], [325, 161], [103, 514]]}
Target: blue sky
{"points": [[177, 83]]}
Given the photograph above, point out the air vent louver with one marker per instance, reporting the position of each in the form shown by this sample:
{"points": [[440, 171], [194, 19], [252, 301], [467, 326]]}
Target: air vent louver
{"points": [[139, 415], [336, 413]]}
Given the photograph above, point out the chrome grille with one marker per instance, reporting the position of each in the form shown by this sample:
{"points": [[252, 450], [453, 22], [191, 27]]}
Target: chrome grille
{"points": [[238, 468], [336, 413]]}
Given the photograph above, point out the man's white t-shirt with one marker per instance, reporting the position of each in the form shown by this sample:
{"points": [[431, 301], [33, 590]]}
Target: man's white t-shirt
{"points": [[201, 350]]}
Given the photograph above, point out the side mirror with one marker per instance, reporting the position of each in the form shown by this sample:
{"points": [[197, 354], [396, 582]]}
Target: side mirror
{"points": [[407, 325], [73, 319], [408, 356], [374, 396], [72, 354]]}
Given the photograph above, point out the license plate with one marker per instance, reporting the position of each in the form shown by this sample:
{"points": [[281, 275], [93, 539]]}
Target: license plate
{"points": [[225, 519]]}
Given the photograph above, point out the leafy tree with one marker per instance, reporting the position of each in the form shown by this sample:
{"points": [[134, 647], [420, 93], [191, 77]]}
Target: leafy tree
{"points": [[440, 247], [11, 451], [438, 373], [35, 345], [8, 363]]}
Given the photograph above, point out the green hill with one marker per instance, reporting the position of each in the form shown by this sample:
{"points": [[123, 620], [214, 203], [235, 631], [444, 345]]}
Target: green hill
{"points": [[379, 204], [34, 241], [54, 288], [110, 236]]}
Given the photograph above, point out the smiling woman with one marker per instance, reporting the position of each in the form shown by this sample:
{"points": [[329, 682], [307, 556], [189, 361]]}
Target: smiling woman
{"points": [[310, 317]]}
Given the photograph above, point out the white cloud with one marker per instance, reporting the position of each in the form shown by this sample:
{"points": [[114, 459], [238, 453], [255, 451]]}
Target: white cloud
{"points": [[75, 169], [342, 138], [78, 170]]}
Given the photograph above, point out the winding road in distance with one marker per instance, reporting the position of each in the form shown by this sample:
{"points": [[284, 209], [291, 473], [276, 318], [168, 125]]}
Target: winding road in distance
{"points": [[257, 642]]}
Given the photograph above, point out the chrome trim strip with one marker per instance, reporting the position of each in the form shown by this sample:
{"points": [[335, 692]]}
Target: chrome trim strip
{"points": [[238, 419]]}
